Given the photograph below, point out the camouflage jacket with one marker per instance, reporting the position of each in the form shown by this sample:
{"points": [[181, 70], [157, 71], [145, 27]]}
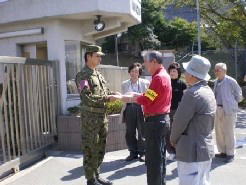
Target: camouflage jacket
{"points": [[93, 91]]}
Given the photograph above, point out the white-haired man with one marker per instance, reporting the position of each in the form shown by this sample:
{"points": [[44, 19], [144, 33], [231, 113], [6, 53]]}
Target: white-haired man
{"points": [[191, 132], [156, 103], [227, 93]]}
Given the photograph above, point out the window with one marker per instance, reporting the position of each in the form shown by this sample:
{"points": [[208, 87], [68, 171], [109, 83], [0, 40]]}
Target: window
{"points": [[74, 52]]}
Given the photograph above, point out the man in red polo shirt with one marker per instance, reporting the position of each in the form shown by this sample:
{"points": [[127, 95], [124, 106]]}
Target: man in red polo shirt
{"points": [[156, 103]]}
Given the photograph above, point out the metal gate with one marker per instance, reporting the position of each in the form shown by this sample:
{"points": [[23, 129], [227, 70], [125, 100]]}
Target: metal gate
{"points": [[28, 109]]}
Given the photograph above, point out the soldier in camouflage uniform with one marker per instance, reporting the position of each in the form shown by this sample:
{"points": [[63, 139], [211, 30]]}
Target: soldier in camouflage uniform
{"points": [[93, 94]]}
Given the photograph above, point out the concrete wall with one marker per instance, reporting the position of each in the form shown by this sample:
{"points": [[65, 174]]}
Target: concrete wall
{"points": [[9, 46], [61, 23], [114, 76], [55, 33], [69, 134], [48, 8]]}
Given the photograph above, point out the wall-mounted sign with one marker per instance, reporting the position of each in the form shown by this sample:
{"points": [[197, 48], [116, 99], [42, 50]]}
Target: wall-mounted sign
{"points": [[136, 6]]}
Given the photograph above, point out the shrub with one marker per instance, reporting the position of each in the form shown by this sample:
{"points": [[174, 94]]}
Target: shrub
{"points": [[112, 108], [74, 110], [211, 83], [243, 103]]}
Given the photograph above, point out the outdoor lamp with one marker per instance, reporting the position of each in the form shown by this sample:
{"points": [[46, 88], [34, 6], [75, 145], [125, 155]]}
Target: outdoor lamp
{"points": [[99, 25]]}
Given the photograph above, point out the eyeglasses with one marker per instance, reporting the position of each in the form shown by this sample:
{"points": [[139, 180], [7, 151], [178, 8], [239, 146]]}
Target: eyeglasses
{"points": [[217, 70]]}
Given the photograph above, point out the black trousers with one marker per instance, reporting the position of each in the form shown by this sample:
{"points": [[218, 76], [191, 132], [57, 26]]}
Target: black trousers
{"points": [[170, 148], [134, 129], [156, 129]]}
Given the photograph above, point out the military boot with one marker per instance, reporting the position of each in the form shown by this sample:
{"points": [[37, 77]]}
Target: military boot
{"points": [[93, 182], [103, 181]]}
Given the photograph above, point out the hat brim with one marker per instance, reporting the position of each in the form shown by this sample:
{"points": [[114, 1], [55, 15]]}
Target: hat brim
{"points": [[202, 77], [100, 53]]}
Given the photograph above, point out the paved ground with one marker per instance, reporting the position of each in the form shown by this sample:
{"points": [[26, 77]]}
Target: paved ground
{"points": [[63, 168]]}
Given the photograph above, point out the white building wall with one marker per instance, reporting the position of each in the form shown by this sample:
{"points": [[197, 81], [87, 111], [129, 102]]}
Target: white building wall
{"points": [[74, 30], [61, 23], [30, 9], [55, 33], [56, 51], [7, 48]]}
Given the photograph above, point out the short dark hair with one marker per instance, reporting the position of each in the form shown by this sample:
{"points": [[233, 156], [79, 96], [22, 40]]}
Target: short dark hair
{"points": [[87, 53], [176, 66], [134, 65]]}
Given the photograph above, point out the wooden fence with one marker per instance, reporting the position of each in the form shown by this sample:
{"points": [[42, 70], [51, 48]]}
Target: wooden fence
{"points": [[28, 109]]}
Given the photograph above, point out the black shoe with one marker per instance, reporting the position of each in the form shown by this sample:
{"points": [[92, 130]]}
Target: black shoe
{"points": [[93, 182], [229, 159], [221, 155], [141, 158], [131, 157], [104, 181]]}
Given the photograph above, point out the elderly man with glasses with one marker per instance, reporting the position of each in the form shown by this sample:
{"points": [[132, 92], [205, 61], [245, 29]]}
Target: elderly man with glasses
{"points": [[227, 93], [156, 103]]}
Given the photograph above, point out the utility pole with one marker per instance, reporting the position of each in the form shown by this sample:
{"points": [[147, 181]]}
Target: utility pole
{"points": [[116, 50], [198, 27], [235, 58], [192, 49]]}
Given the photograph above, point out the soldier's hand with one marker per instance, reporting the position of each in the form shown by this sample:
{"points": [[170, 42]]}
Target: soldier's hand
{"points": [[114, 97], [129, 98], [136, 95], [117, 93], [133, 94]]}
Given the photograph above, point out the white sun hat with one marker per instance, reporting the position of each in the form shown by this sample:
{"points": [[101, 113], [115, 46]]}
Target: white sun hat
{"points": [[198, 66]]}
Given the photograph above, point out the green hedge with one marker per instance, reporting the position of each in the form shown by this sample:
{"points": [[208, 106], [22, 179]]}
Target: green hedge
{"points": [[74, 110], [243, 103], [114, 107]]}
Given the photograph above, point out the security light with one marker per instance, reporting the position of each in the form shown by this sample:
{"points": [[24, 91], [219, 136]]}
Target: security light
{"points": [[99, 25]]}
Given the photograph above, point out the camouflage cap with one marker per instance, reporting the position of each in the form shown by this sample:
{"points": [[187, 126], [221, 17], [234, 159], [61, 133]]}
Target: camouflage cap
{"points": [[94, 49]]}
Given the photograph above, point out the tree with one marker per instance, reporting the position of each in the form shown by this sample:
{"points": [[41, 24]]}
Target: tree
{"points": [[143, 34], [155, 32], [223, 19], [176, 34]]}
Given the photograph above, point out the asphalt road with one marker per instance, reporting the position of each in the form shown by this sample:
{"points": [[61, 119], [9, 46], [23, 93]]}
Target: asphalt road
{"points": [[63, 168]]}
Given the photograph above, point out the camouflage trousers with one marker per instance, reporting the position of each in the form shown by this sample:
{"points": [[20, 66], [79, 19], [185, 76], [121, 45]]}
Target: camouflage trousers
{"points": [[94, 132]]}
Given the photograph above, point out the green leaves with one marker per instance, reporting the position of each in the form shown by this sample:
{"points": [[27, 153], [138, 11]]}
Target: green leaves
{"points": [[224, 19], [157, 33], [114, 107], [143, 34], [176, 34]]}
